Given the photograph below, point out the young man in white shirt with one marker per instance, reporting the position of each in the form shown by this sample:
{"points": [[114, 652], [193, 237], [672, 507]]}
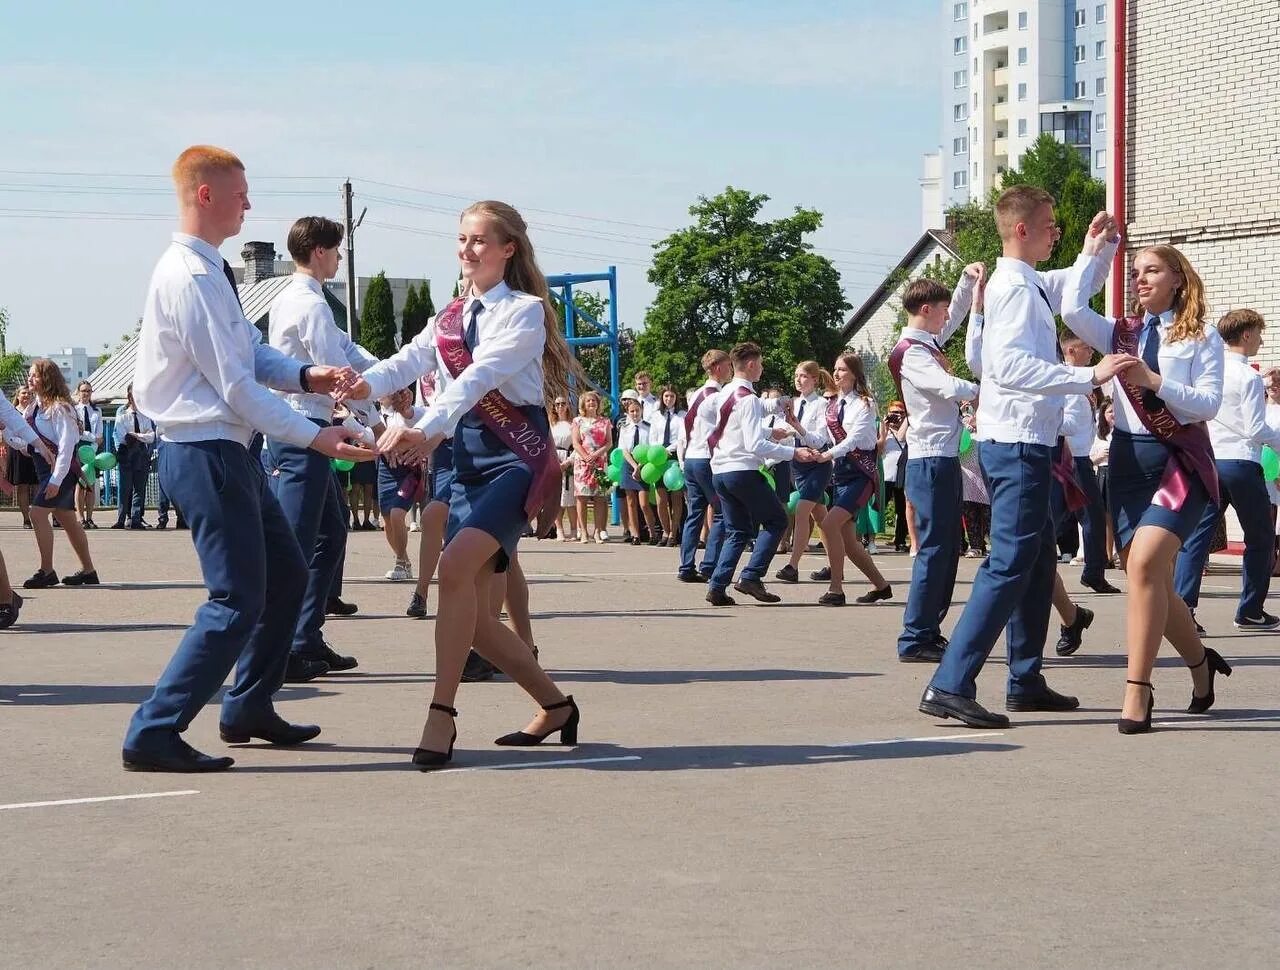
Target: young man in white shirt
{"points": [[301, 325], [643, 382], [90, 434], [1019, 421], [200, 373], [1238, 433], [695, 459], [135, 437]]}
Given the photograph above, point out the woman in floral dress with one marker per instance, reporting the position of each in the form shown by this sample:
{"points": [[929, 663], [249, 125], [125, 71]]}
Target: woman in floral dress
{"points": [[592, 436]]}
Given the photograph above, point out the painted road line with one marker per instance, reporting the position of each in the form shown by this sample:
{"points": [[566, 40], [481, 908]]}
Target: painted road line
{"points": [[94, 801], [540, 764], [939, 737]]}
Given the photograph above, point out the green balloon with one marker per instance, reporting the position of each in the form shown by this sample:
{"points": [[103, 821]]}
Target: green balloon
{"points": [[653, 495], [1270, 463], [88, 471], [617, 458], [768, 477], [343, 464], [613, 473], [966, 441], [85, 454], [658, 456], [104, 462], [649, 474], [673, 478]]}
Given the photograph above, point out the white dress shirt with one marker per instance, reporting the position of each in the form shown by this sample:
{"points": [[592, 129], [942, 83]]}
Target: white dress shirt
{"points": [[200, 361], [511, 333], [973, 344], [1240, 429], [57, 423], [859, 426], [631, 436], [1190, 370], [931, 395], [1022, 380], [1100, 451], [16, 430], [124, 425], [658, 428], [1273, 422], [301, 325], [696, 444], [650, 404], [90, 419], [1079, 424], [744, 446], [811, 415]]}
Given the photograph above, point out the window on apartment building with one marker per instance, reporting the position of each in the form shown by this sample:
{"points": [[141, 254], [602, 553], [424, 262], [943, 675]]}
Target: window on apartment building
{"points": [[975, 170], [1100, 121], [1022, 127], [1022, 20], [961, 79], [975, 67], [1100, 14], [960, 45], [1100, 50], [1022, 92], [1100, 158], [1079, 53], [959, 11], [959, 145], [960, 179], [960, 112], [1080, 18], [1079, 89], [975, 100], [1100, 86], [1022, 56]]}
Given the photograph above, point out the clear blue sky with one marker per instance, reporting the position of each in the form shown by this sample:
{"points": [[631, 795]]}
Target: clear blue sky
{"points": [[617, 111]]}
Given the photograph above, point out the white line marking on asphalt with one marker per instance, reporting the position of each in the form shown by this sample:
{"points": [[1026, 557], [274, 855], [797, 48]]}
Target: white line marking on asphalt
{"points": [[103, 798], [1199, 721], [939, 737], [540, 764]]}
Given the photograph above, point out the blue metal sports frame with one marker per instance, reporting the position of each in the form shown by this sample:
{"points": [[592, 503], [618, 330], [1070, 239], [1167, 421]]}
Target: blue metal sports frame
{"points": [[561, 287]]}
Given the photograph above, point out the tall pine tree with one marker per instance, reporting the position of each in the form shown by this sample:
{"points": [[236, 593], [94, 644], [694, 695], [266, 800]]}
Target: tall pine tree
{"points": [[378, 318], [408, 313], [418, 309]]}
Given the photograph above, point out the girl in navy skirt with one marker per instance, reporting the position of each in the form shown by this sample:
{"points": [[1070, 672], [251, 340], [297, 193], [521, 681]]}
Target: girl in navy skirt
{"points": [[851, 433], [53, 418], [1156, 489], [632, 433], [808, 418], [507, 359], [21, 438]]}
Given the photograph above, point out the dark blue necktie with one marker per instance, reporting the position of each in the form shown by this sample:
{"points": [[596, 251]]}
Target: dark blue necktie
{"points": [[800, 413], [231, 278], [666, 431], [840, 413], [1151, 357], [472, 336]]}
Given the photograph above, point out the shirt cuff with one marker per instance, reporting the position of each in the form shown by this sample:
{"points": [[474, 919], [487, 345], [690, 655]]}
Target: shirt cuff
{"points": [[302, 379]]}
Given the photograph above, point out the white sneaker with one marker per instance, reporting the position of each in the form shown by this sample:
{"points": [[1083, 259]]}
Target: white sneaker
{"points": [[872, 548], [973, 554], [400, 573], [1065, 558], [413, 527], [602, 535]]}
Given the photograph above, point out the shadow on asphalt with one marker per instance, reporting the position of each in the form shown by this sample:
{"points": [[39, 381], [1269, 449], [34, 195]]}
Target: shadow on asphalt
{"points": [[69, 695], [98, 627], [699, 676], [1173, 661]]}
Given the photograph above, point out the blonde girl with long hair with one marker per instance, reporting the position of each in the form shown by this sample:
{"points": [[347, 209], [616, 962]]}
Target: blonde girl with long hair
{"points": [[807, 416], [512, 335], [1179, 371]]}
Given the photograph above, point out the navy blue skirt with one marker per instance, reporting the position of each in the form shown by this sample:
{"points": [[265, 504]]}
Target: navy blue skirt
{"points": [[441, 480], [629, 482], [1134, 469], [812, 479], [365, 473], [389, 482], [851, 486], [66, 497], [491, 483]]}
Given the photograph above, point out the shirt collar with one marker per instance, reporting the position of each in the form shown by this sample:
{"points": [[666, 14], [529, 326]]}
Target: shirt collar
{"points": [[310, 282], [1235, 355], [492, 296], [202, 248], [1025, 270], [742, 382], [1166, 318], [915, 333]]}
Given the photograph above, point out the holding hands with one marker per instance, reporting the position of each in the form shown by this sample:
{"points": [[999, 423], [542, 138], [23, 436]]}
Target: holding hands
{"points": [[809, 454], [338, 442], [1113, 364], [1102, 230], [407, 446]]}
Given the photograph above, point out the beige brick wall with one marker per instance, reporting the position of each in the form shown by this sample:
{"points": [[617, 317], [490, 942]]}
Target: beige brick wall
{"points": [[1203, 166]]}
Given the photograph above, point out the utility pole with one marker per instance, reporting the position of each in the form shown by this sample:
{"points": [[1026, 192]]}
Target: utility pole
{"points": [[353, 326]]}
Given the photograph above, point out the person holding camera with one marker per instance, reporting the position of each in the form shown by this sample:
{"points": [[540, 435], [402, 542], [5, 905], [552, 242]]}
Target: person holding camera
{"points": [[895, 470]]}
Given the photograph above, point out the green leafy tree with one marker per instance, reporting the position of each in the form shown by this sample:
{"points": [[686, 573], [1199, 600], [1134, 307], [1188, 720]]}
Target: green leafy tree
{"points": [[426, 306], [13, 366], [732, 277], [378, 318], [415, 313]]}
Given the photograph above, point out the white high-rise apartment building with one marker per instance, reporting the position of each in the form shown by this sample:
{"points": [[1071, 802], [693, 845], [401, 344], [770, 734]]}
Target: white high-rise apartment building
{"points": [[1016, 68]]}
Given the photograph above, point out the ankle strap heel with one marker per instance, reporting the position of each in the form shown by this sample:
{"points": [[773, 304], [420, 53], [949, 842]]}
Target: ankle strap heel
{"points": [[427, 759], [568, 730], [452, 712], [1127, 725]]}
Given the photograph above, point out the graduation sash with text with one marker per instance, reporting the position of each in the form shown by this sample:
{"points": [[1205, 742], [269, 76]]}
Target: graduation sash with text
{"points": [[863, 460]]}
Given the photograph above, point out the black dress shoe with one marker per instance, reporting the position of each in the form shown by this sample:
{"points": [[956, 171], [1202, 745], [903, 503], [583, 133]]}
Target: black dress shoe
{"points": [[81, 578], [756, 590], [940, 703], [821, 575], [274, 731], [477, 669], [118, 525], [1045, 699], [832, 599], [1101, 586], [1072, 636], [300, 669], [335, 660], [417, 607], [718, 597], [942, 642], [875, 595], [787, 574], [41, 580], [183, 759], [336, 607], [929, 654], [162, 525], [9, 611], [690, 576]]}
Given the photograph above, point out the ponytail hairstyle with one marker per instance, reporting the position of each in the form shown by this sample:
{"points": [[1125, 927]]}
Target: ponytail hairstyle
{"points": [[1188, 299], [854, 364], [559, 364], [822, 378]]}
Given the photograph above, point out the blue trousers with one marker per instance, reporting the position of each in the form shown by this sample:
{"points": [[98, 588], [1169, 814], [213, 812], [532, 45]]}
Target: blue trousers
{"points": [[933, 487], [131, 502], [702, 494], [308, 495], [1241, 485], [1093, 520], [1013, 589], [249, 558], [748, 506]]}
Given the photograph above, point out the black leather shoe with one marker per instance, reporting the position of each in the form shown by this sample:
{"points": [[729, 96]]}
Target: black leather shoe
{"points": [[831, 599], [118, 525], [183, 759], [336, 607], [756, 590], [162, 525], [787, 574], [692, 576], [41, 580], [930, 654], [1045, 699], [940, 703], [718, 597], [1101, 586], [875, 595], [9, 611], [335, 660], [1072, 636], [81, 578], [821, 575], [942, 642], [477, 669], [275, 731], [300, 669], [417, 607]]}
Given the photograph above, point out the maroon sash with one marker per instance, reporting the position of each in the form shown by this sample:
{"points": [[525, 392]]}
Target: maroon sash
{"points": [[500, 416], [900, 350], [691, 415], [1189, 443], [1064, 472], [863, 459], [726, 409], [53, 447]]}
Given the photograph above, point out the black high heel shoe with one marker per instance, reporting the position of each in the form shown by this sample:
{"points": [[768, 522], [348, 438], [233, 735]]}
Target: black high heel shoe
{"points": [[1216, 666], [568, 730], [425, 759], [1127, 726]]}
